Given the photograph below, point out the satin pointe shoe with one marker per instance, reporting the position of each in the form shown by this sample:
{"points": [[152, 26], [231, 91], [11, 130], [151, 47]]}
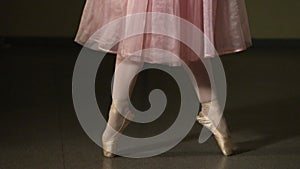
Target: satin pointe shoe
{"points": [[220, 131], [117, 123]]}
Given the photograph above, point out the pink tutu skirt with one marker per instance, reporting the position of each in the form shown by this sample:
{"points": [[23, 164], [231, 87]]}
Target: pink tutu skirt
{"points": [[223, 22]]}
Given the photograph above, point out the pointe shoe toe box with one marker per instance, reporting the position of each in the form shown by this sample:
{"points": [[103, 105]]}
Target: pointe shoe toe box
{"points": [[108, 154]]}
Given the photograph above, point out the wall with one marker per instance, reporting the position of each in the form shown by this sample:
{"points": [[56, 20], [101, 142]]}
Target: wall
{"points": [[274, 18]]}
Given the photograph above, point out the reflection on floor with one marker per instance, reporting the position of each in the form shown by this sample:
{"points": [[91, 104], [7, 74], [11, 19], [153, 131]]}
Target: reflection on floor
{"points": [[39, 127]]}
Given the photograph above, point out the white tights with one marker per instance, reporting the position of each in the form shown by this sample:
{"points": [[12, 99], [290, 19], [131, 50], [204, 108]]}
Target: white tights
{"points": [[124, 81], [126, 71]]}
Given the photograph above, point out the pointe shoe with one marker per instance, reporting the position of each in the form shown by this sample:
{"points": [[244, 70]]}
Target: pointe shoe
{"points": [[110, 137], [220, 131]]}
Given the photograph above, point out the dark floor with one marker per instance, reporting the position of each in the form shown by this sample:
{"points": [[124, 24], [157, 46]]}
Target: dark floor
{"points": [[39, 128]]}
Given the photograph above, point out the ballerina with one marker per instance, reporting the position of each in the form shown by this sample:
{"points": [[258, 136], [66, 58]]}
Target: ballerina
{"points": [[225, 23]]}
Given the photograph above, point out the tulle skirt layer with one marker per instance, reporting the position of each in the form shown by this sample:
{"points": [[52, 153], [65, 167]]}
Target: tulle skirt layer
{"points": [[106, 25]]}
